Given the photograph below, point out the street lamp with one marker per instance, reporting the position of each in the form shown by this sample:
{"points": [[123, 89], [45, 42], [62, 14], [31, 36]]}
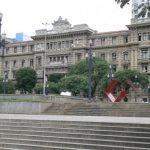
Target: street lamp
{"points": [[148, 93], [44, 61], [110, 75], [1, 16], [90, 70], [4, 82], [136, 83]]}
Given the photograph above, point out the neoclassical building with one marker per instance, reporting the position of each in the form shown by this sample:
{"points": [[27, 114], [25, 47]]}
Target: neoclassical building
{"points": [[54, 50]]}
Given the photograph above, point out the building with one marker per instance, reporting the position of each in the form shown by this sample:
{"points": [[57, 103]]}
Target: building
{"points": [[54, 50], [136, 8]]}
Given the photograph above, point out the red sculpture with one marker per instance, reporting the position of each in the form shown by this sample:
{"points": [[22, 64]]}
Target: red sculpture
{"points": [[109, 89]]}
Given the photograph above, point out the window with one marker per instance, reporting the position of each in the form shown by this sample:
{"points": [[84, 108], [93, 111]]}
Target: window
{"points": [[31, 62], [113, 56], [6, 64], [148, 35], [55, 45], [125, 67], [67, 44], [7, 50], [39, 61], [15, 49], [14, 74], [47, 45], [145, 36], [51, 46], [103, 56], [114, 40], [50, 59], [23, 63], [139, 37], [31, 48], [114, 68], [71, 43], [59, 45], [63, 44], [144, 53], [144, 67], [78, 56], [125, 56], [103, 41], [14, 63], [58, 58], [125, 39], [54, 59], [23, 49]]}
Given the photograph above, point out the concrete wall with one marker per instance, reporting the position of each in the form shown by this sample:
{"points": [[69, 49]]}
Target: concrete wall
{"points": [[23, 107], [31, 104]]}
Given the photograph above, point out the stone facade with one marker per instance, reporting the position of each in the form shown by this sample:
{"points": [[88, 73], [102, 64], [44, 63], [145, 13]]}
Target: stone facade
{"points": [[66, 45]]}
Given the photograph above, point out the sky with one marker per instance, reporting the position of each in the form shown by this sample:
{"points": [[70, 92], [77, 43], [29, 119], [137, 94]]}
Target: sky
{"points": [[28, 15]]}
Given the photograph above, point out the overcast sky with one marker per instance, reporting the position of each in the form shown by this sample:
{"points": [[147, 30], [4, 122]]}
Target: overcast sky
{"points": [[27, 15]]}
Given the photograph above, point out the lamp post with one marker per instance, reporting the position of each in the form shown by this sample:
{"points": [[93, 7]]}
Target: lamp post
{"points": [[4, 82], [110, 75], [90, 70], [136, 86], [149, 94], [1, 16], [44, 61]]}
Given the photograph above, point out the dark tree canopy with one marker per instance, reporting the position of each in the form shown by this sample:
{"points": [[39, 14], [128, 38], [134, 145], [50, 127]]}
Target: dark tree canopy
{"points": [[77, 78], [9, 86], [133, 76], [144, 7], [26, 79]]}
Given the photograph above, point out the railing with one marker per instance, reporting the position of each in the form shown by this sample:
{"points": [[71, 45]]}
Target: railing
{"points": [[59, 63]]}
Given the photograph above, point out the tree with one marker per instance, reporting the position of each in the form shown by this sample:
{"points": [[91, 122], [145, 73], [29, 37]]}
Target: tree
{"points": [[55, 77], [38, 89], [10, 87], [77, 78], [54, 83], [76, 84], [26, 79], [144, 7], [127, 79], [133, 76]]}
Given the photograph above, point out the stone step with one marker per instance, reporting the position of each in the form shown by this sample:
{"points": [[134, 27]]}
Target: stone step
{"points": [[14, 146], [43, 123], [127, 114], [61, 132], [73, 144], [29, 134], [84, 138], [76, 128], [39, 147], [133, 127], [5, 148]]}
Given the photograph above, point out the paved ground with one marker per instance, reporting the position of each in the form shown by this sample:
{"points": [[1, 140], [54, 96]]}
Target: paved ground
{"points": [[140, 120]]}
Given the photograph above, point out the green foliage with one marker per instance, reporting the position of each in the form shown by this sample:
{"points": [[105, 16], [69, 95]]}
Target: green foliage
{"points": [[125, 75], [79, 68], [10, 87], [77, 79], [55, 77], [76, 84], [38, 89], [53, 88], [126, 80], [54, 83], [26, 79], [122, 2], [144, 8]]}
